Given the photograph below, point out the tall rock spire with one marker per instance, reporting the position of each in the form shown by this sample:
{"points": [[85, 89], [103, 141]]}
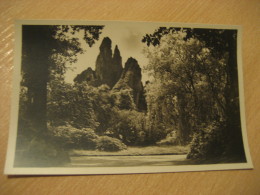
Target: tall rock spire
{"points": [[117, 66], [108, 67], [104, 62]]}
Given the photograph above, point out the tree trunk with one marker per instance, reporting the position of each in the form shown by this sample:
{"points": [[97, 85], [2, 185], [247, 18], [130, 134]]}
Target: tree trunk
{"points": [[234, 133], [36, 52], [184, 129], [38, 106]]}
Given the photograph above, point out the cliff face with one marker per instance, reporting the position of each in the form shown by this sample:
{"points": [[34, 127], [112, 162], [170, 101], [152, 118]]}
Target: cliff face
{"points": [[131, 79], [108, 67]]}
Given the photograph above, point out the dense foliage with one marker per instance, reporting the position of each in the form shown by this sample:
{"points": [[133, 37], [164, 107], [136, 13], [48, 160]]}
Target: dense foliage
{"points": [[107, 112], [46, 50], [187, 76], [194, 89]]}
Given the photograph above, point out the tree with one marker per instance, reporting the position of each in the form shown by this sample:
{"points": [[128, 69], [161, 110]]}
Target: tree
{"points": [[176, 88], [128, 126], [221, 43], [45, 49], [208, 73], [71, 104]]}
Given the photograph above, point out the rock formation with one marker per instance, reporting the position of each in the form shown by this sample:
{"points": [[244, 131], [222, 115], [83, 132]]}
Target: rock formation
{"points": [[109, 71], [117, 66], [108, 67], [131, 78], [89, 76]]}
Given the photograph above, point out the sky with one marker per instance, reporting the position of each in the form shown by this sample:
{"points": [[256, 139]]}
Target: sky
{"points": [[127, 36]]}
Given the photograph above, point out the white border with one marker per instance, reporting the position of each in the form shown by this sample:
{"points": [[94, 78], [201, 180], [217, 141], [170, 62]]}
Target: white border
{"points": [[10, 170]]}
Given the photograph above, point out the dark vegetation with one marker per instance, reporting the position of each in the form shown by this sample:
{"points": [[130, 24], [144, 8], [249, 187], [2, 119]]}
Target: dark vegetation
{"points": [[191, 100], [198, 69]]}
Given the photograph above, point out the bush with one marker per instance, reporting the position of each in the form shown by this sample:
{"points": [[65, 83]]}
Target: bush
{"points": [[88, 139], [110, 144], [72, 137], [171, 139], [209, 142], [128, 126]]}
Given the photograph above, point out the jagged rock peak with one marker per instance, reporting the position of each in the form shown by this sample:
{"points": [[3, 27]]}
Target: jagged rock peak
{"points": [[87, 75], [132, 64], [116, 52], [108, 67], [117, 66], [104, 62], [106, 44], [117, 59], [89, 69], [131, 75]]}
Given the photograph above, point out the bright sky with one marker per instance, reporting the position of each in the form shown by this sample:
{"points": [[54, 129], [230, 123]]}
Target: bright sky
{"points": [[127, 36]]}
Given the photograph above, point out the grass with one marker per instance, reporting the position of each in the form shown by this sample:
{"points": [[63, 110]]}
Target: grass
{"points": [[135, 151]]}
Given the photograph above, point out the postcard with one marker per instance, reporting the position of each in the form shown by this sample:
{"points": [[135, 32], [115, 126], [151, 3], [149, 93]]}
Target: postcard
{"points": [[111, 97]]}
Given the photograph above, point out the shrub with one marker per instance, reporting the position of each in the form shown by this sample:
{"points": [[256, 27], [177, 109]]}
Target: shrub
{"points": [[128, 126], [72, 137], [171, 139], [89, 139], [208, 142], [110, 144]]}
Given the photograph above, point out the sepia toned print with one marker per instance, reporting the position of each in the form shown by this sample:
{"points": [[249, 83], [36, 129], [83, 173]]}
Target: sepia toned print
{"points": [[126, 97]]}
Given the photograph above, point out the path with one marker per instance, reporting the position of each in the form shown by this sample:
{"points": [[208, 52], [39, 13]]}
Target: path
{"points": [[122, 161]]}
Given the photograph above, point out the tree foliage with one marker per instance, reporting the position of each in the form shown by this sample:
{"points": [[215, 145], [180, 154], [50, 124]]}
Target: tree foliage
{"points": [[128, 126], [45, 51], [193, 72]]}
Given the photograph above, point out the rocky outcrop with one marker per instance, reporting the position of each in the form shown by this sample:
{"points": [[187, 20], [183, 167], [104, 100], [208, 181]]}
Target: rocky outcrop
{"points": [[89, 76], [109, 71], [108, 67], [131, 78]]}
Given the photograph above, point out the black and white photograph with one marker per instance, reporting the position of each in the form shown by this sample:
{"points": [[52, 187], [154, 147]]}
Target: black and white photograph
{"points": [[100, 97]]}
